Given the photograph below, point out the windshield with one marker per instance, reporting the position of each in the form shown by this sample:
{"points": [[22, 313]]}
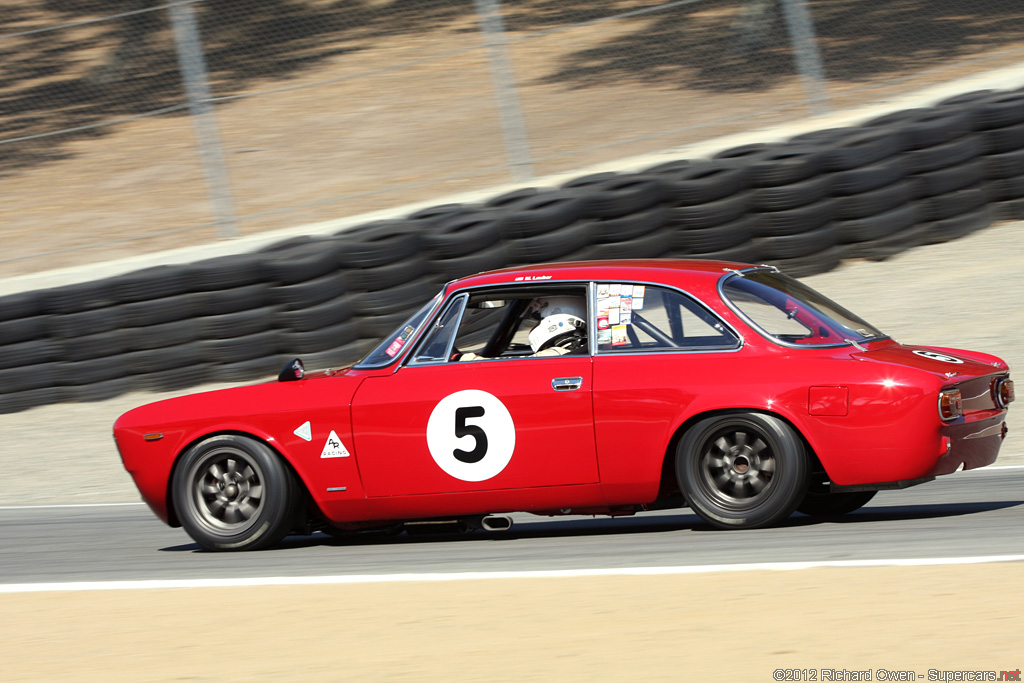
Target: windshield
{"points": [[387, 350], [791, 313]]}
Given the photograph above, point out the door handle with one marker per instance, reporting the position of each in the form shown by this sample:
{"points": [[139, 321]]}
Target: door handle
{"points": [[566, 383]]}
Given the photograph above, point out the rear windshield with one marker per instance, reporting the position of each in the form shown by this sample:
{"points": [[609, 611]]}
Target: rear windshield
{"points": [[791, 313]]}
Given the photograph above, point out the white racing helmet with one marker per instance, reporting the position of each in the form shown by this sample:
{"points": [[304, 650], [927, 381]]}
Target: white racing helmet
{"points": [[561, 318]]}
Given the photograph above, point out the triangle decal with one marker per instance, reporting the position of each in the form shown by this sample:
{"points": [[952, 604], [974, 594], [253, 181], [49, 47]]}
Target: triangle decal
{"points": [[334, 448], [305, 432]]}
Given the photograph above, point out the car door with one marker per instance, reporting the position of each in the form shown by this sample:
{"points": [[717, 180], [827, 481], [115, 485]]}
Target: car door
{"points": [[437, 426]]}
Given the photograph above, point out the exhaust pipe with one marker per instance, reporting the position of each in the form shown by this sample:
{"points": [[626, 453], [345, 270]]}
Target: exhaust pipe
{"points": [[496, 523]]}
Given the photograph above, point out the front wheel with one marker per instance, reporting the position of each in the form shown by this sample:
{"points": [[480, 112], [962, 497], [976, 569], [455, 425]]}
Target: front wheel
{"points": [[233, 492], [742, 471]]}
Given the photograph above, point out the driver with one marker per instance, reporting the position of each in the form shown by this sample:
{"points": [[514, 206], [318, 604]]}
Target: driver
{"points": [[562, 328]]}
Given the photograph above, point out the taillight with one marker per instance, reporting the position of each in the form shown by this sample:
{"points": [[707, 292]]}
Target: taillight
{"points": [[1002, 390], [950, 404]]}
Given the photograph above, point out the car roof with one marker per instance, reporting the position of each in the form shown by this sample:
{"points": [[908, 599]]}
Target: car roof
{"points": [[666, 271]]}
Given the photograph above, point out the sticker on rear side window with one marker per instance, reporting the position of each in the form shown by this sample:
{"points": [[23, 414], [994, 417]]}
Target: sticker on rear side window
{"points": [[471, 435]]}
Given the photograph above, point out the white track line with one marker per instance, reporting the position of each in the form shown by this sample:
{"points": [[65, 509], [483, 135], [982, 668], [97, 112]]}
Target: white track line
{"points": [[68, 505], [477, 576]]}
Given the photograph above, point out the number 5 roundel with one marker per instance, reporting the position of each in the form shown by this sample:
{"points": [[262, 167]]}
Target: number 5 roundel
{"points": [[471, 435]]}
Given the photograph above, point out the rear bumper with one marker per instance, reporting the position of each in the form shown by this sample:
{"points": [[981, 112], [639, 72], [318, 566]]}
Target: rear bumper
{"points": [[971, 444]]}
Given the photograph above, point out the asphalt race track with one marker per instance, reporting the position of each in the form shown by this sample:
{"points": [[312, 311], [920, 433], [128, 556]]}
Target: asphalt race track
{"points": [[965, 515]]}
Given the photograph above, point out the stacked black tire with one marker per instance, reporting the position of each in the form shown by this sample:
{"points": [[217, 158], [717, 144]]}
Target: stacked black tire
{"points": [[708, 206], [909, 178], [996, 121]]}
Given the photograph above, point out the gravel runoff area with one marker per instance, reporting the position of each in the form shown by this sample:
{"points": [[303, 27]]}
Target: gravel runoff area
{"points": [[966, 293]]}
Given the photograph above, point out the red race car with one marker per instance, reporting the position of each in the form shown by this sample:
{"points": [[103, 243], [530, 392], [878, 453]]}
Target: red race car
{"points": [[576, 388]]}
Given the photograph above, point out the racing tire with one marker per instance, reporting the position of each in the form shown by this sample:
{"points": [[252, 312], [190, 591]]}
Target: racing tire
{"points": [[947, 179], [949, 154], [433, 215], [20, 305], [872, 203], [880, 225], [159, 311], [699, 182], [226, 272], [541, 213], [1005, 165], [460, 235], [157, 282], [491, 258], [856, 147], [1009, 210], [817, 504], [84, 323], [232, 492], [707, 240], [652, 245], [373, 245], [710, 214], [154, 336], [742, 470], [800, 244], [868, 178], [86, 296], [1000, 140], [812, 264], [626, 228], [927, 127], [30, 353], [25, 329], [881, 248], [624, 195], [782, 197], [952, 228], [786, 165], [549, 246]]}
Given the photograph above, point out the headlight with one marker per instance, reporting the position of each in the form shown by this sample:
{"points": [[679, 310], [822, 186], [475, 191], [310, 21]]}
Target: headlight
{"points": [[950, 404], [1002, 391]]}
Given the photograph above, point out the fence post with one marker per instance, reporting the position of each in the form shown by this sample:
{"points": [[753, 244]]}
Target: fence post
{"points": [[805, 49], [513, 129], [197, 89]]}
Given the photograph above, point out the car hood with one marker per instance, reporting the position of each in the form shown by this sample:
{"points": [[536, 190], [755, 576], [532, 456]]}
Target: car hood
{"points": [[950, 365]]}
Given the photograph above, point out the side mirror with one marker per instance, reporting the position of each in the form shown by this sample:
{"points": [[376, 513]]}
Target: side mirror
{"points": [[293, 371]]}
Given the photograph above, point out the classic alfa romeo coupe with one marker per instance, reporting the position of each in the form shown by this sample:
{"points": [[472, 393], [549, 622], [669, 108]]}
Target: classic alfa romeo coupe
{"points": [[576, 388]]}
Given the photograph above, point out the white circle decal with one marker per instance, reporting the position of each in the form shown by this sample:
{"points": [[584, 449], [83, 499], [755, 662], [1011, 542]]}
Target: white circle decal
{"points": [[471, 435], [939, 356]]}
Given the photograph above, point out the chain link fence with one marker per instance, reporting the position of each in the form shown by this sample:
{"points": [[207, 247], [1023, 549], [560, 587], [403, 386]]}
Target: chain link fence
{"points": [[138, 125]]}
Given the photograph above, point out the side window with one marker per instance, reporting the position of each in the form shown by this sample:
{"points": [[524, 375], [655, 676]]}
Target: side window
{"points": [[634, 318], [507, 323], [479, 326], [435, 348]]}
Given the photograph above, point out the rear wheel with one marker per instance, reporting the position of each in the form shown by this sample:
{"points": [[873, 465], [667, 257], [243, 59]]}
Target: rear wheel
{"points": [[233, 492], [819, 504], [742, 471]]}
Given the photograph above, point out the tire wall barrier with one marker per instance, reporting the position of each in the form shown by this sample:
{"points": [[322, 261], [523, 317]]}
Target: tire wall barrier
{"points": [[913, 177]]}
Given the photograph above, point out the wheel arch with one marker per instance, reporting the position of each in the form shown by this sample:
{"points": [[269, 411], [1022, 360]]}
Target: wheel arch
{"points": [[172, 513], [669, 485]]}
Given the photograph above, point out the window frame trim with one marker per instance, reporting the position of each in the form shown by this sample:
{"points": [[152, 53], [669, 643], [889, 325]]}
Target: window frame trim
{"points": [[740, 341]]}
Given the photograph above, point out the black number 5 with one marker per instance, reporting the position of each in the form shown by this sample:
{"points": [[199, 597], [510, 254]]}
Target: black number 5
{"points": [[462, 429]]}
